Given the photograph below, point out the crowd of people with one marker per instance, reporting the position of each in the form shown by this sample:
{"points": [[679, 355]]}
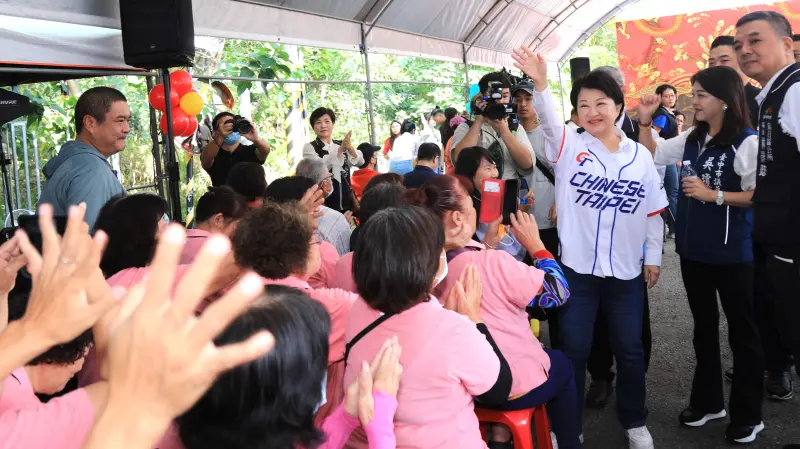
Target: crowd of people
{"points": [[349, 306]]}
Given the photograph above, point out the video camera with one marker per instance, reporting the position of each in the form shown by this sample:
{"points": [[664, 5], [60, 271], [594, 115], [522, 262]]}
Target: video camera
{"points": [[495, 108], [240, 124]]}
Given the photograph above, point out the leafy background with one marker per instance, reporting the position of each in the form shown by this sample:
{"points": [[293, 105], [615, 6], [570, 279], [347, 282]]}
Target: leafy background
{"points": [[269, 102]]}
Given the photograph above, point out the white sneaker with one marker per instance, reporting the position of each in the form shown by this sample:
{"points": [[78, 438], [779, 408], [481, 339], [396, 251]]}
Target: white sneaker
{"points": [[639, 438], [554, 440]]}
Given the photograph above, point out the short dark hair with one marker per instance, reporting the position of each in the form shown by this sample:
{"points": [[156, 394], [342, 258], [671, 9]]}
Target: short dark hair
{"points": [[218, 117], [63, 354], [469, 160], [289, 188], [722, 41], [665, 87], [319, 112], [428, 151], [367, 150], [247, 179], [439, 194], [397, 257], [407, 126], [383, 178], [725, 84], [449, 114], [382, 196], [273, 240], [602, 81], [96, 102], [279, 391], [131, 223], [436, 111], [679, 113], [500, 77], [796, 37], [776, 21], [220, 200]]}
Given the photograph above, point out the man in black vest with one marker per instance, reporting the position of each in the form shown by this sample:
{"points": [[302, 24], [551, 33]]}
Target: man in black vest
{"points": [[763, 45]]}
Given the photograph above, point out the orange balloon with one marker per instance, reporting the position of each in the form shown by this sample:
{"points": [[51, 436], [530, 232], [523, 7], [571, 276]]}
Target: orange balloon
{"points": [[192, 103]]}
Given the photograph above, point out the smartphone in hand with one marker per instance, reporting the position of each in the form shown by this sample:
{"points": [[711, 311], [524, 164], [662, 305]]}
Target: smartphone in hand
{"points": [[510, 200]]}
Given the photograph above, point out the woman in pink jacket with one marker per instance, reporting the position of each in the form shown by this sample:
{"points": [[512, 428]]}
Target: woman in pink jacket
{"points": [[509, 287]]}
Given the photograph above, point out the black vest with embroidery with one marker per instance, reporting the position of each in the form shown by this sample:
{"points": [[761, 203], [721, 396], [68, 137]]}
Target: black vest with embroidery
{"points": [[776, 201], [341, 198]]}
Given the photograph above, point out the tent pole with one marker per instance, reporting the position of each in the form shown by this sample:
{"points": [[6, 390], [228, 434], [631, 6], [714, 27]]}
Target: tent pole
{"points": [[466, 73], [173, 173], [561, 93], [370, 105], [159, 180]]}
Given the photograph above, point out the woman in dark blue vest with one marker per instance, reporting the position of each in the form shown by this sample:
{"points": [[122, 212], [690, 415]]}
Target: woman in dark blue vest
{"points": [[713, 238]]}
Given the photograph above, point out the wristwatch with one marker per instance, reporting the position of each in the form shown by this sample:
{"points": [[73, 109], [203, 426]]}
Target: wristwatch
{"points": [[720, 198]]}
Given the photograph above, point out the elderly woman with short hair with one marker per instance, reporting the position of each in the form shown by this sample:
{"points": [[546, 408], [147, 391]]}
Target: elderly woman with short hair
{"points": [[333, 227]]}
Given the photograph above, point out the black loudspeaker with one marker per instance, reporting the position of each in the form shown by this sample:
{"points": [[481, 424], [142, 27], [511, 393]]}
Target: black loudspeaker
{"points": [[579, 67], [157, 33]]}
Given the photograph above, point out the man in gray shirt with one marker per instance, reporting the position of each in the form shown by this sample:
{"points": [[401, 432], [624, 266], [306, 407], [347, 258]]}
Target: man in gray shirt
{"points": [[80, 173]]}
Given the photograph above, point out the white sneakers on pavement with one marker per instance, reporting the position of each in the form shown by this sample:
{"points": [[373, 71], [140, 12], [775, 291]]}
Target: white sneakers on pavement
{"points": [[639, 438]]}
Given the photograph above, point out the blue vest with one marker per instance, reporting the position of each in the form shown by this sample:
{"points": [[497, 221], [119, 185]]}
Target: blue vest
{"points": [[708, 233]]}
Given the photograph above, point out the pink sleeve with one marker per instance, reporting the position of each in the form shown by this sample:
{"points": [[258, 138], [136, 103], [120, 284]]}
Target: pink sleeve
{"points": [[338, 303], [62, 423], [343, 274], [337, 429], [325, 276], [472, 359], [517, 281], [380, 431]]}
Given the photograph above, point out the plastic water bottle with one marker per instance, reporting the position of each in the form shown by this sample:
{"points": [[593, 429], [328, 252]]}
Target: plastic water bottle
{"points": [[687, 171]]}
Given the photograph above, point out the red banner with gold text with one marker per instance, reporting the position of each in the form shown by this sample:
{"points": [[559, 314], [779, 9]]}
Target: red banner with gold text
{"points": [[672, 49]]}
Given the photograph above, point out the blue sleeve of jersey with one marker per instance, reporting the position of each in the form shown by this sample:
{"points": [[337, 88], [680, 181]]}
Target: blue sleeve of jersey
{"points": [[662, 122], [555, 290]]}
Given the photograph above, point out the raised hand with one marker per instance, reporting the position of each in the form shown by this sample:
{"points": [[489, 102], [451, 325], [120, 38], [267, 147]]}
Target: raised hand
{"points": [[347, 145], [11, 261], [526, 231], [532, 64], [648, 105], [465, 296], [161, 357], [60, 308], [382, 375]]}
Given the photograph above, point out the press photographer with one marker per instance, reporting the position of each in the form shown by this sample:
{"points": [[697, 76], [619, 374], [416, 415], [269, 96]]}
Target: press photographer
{"points": [[227, 134], [496, 128]]}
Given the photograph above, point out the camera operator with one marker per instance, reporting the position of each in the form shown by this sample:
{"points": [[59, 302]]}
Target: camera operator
{"points": [[228, 131], [513, 155]]}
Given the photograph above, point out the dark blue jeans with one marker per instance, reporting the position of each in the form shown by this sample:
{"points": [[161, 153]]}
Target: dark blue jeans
{"points": [[622, 303], [560, 395]]}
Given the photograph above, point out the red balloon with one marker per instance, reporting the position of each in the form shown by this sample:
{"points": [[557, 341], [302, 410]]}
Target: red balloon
{"points": [[180, 81], [192, 126], [180, 122], [157, 98]]}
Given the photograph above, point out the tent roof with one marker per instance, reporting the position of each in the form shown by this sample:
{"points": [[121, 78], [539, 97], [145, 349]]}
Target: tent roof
{"points": [[57, 33]]}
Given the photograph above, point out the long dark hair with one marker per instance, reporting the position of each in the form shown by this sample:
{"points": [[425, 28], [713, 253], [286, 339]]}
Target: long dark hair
{"points": [[392, 137], [131, 223], [270, 402], [726, 85]]}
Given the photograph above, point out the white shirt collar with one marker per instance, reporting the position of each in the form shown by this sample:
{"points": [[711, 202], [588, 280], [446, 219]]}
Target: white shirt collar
{"points": [[621, 121], [763, 94]]}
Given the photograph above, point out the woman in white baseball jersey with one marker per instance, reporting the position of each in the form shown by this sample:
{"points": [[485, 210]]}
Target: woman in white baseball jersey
{"points": [[608, 200]]}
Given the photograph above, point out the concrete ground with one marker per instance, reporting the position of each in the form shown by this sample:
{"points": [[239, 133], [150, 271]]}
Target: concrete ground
{"points": [[669, 382]]}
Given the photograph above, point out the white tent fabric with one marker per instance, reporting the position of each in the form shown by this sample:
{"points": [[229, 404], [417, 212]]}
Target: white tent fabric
{"points": [[439, 29]]}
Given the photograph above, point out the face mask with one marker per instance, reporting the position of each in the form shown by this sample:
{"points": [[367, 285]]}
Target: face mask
{"points": [[438, 280], [324, 393], [232, 139]]}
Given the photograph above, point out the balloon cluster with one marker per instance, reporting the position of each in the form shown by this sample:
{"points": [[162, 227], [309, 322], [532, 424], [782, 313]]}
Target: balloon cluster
{"points": [[185, 102]]}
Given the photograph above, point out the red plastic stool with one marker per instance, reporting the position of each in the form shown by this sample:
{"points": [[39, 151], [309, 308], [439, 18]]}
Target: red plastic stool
{"points": [[519, 421]]}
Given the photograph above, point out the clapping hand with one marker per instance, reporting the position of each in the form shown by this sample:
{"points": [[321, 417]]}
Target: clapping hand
{"points": [[465, 296], [11, 261], [347, 145], [382, 375], [532, 64]]}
